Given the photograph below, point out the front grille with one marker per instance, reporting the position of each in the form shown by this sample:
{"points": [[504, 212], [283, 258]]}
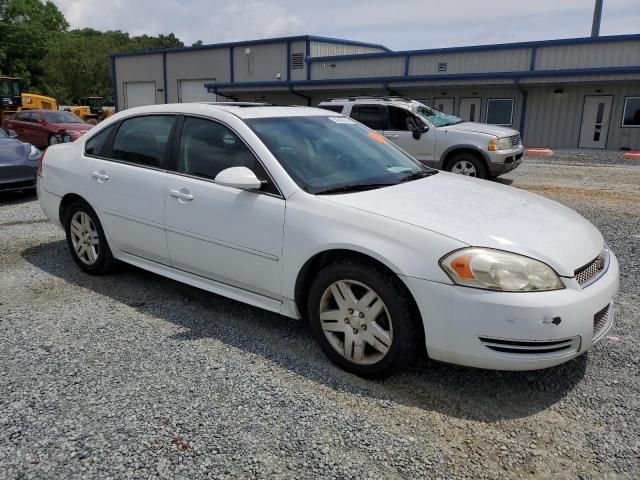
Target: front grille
{"points": [[515, 140], [601, 319], [527, 347], [17, 185], [592, 270]]}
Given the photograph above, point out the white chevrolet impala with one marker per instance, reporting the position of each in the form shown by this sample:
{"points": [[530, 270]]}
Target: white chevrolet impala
{"points": [[310, 214]]}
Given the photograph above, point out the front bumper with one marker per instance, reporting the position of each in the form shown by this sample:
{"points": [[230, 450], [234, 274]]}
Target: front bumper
{"points": [[17, 177], [504, 161], [514, 331]]}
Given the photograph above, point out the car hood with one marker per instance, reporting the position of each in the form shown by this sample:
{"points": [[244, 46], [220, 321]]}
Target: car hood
{"points": [[496, 130], [486, 214], [12, 151]]}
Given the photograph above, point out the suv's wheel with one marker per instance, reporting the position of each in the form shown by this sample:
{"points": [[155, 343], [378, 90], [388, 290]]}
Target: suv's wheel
{"points": [[467, 164], [86, 239], [363, 320]]}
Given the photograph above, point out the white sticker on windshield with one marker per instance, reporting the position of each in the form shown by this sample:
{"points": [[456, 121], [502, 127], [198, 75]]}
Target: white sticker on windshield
{"points": [[341, 120], [398, 169]]}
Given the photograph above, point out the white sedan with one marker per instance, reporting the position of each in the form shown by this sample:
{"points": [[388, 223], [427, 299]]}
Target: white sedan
{"points": [[310, 214]]}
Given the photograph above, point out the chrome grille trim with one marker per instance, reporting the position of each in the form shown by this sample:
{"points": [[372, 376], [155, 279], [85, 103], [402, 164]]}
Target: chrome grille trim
{"points": [[593, 270], [515, 140], [531, 348]]}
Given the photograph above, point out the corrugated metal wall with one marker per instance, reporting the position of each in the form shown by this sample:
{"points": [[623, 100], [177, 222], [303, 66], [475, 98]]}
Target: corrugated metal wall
{"points": [[327, 49], [196, 65], [554, 119], [375, 67], [143, 68], [299, 46], [471, 62], [262, 63], [610, 54]]}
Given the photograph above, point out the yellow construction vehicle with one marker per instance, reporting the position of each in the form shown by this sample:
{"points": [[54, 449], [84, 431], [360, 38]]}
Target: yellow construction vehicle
{"points": [[10, 99], [33, 100], [91, 110]]}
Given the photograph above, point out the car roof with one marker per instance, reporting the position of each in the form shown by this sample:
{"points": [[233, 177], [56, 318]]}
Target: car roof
{"points": [[400, 101], [244, 110]]}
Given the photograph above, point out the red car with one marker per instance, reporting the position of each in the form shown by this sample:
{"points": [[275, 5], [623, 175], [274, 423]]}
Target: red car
{"points": [[47, 127]]}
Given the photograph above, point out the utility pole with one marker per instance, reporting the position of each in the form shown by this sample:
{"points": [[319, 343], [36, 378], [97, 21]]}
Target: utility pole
{"points": [[597, 17]]}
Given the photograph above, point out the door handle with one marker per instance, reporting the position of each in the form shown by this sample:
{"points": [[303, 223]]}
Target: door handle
{"points": [[182, 194], [395, 135], [100, 176]]}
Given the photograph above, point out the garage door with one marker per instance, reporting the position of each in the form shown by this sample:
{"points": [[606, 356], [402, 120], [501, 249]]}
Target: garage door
{"points": [[194, 91], [137, 94]]}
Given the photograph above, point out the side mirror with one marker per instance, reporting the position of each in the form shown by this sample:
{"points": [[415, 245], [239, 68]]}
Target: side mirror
{"points": [[238, 177], [417, 132], [12, 134]]}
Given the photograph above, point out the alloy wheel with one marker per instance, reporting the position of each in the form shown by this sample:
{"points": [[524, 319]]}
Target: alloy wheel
{"points": [[356, 322], [84, 238], [464, 167]]}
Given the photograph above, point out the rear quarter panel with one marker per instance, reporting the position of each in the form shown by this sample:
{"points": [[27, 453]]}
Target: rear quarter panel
{"points": [[65, 170]]}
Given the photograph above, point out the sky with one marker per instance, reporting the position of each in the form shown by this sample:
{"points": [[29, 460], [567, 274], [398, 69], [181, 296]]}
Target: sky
{"points": [[399, 25]]}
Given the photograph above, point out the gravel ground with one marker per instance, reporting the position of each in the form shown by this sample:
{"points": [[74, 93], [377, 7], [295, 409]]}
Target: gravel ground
{"points": [[135, 376]]}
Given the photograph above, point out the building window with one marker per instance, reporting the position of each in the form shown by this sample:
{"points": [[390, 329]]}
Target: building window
{"points": [[631, 115], [500, 111]]}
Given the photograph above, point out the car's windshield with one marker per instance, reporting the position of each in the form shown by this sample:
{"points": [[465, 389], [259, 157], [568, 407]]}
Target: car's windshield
{"points": [[61, 117], [325, 154], [436, 117]]}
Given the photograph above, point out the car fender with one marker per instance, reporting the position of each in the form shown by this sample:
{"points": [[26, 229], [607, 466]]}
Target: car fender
{"points": [[465, 146]]}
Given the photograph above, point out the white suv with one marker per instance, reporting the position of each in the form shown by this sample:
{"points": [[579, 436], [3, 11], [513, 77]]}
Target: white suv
{"points": [[439, 140]]}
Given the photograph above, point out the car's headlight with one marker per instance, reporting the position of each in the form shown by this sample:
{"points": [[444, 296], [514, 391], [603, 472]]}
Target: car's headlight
{"points": [[497, 270], [499, 144], [34, 153]]}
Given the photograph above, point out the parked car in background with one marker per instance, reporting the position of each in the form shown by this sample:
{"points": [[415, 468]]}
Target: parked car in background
{"points": [[47, 127], [18, 163], [439, 140], [310, 214]]}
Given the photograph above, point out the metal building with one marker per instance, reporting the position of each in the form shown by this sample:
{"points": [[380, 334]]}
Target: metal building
{"points": [[580, 92]]}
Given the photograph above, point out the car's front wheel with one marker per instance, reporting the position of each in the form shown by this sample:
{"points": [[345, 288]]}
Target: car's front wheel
{"points": [[363, 319], [467, 164], [86, 240]]}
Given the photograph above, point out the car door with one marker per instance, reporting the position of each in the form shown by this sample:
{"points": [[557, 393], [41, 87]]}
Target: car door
{"points": [[21, 124], [39, 134], [400, 130], [129, 175], [226, 234]]}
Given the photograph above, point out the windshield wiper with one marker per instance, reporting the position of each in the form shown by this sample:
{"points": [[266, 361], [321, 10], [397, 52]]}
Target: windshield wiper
{"points": [[356, 187], [417, 175]]}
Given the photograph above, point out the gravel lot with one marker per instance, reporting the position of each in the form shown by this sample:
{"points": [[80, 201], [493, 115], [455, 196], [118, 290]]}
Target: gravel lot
{"points": [[136, 376]]}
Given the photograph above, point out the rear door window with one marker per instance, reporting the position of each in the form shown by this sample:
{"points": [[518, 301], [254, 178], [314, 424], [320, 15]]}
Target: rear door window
{"points": [[143, 140], [373, 116]]}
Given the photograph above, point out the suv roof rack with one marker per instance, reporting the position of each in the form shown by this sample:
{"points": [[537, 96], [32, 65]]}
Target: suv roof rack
{"points": [[373, 97], [240, 104]]}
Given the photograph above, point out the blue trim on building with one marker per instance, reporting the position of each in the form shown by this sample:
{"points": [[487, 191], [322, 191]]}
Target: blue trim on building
{"points": [[164, 77], [314, 38], [534, 54], [231, 75], [114, 83], [481, 48], [413, 78], [407, 60]]}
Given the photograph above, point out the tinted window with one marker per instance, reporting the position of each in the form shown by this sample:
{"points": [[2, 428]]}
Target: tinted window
{"points": [[631, 117], [373, 116], [207, 148], [60, 116], [94, 144], [499, 111], [22, 117], [401, 119], [143, 140], [332, 108]]}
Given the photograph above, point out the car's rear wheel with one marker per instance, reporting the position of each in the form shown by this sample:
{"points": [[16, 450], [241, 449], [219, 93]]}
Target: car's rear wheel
{"points": [[363, 319], [467, 164], [86, 240]]}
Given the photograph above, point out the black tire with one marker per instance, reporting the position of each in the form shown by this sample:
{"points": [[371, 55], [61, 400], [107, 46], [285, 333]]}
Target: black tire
{"points": [[478, 164], [408, 336], [53, 135], [104, 262]]}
